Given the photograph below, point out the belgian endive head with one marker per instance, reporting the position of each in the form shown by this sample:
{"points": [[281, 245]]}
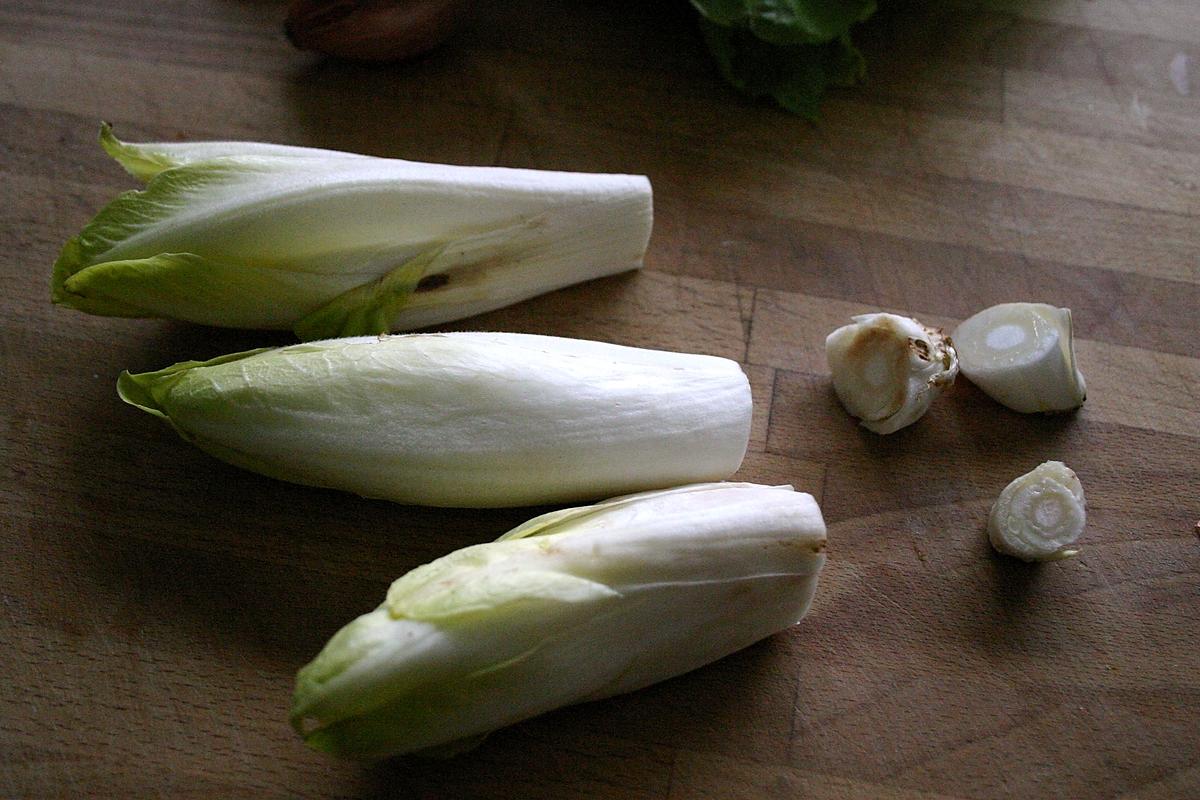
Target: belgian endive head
{"points": [[575, 605], [327, 243], [461, 419]]}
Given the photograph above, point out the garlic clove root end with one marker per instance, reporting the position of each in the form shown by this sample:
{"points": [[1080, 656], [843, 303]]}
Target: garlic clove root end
{"points": [[888, 369], [1040, 515]]}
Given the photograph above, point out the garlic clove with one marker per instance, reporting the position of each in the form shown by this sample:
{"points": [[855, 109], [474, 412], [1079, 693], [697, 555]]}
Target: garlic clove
{"points": [[1022, 355], [1039, 515], [887, 369]]}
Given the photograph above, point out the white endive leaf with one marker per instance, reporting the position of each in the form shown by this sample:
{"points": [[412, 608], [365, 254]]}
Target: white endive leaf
{"points": [[262, 236], [147, 159], [601, 601], [461, 419]]}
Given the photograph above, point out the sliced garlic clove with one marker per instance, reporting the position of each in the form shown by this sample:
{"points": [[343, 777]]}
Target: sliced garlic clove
{"points": [[1022, 355], [887, 369], [1039, 515]]}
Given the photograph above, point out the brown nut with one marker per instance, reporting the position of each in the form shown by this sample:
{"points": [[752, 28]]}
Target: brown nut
{"points": [[372, 30]]}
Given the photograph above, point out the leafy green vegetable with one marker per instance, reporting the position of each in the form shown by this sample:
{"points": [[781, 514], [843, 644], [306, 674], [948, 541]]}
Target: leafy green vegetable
{"points": [[244, 234], [460, 419], [572, 606], [790, 50]]}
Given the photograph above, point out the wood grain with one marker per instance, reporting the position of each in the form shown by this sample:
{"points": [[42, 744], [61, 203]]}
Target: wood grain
{"points": [[157, 602]]}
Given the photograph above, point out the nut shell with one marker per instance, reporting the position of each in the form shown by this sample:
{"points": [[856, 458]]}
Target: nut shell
{"points": [[372, 30]]}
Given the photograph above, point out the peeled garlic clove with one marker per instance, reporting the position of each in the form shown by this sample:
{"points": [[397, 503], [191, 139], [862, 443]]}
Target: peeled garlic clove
{"points": [[1022, 355], [887, 369], [1039, 515]]}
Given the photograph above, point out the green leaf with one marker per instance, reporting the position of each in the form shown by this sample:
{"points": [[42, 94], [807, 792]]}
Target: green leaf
{"points": [[349, 645], [723, 12], [147, 159], [469, 582], [369, 308], [152, 393], [796, 76], [148, 390], [790, 50], [135, 211], [70, 262], [185, 286], [140, 161], [790, 22], [105, 269], [563, 520], [549, 523]]}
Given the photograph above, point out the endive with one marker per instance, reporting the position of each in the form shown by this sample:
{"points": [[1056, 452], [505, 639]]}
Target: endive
{"points": [[461, 419], [572, 606], [326, 243]]}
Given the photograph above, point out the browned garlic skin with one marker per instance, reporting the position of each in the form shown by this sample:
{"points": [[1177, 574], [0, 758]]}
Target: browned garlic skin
{"points": [[888, 369]]}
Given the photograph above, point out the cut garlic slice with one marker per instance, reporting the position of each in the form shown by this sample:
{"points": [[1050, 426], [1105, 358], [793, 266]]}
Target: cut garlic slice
{"points": [[1039, 515], [887, 369], [1022, 355]]}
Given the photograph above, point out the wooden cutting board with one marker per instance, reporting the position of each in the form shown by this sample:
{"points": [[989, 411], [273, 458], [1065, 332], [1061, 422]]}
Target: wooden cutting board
{"points": [[157, 602]]}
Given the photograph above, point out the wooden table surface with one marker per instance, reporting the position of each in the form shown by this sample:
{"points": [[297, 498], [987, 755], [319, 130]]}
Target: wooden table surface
{"points": [[158, 602]]}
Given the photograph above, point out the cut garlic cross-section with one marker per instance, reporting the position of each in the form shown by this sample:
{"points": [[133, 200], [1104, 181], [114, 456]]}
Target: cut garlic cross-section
{"points": [[1039, 515], [1022, 355]]}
